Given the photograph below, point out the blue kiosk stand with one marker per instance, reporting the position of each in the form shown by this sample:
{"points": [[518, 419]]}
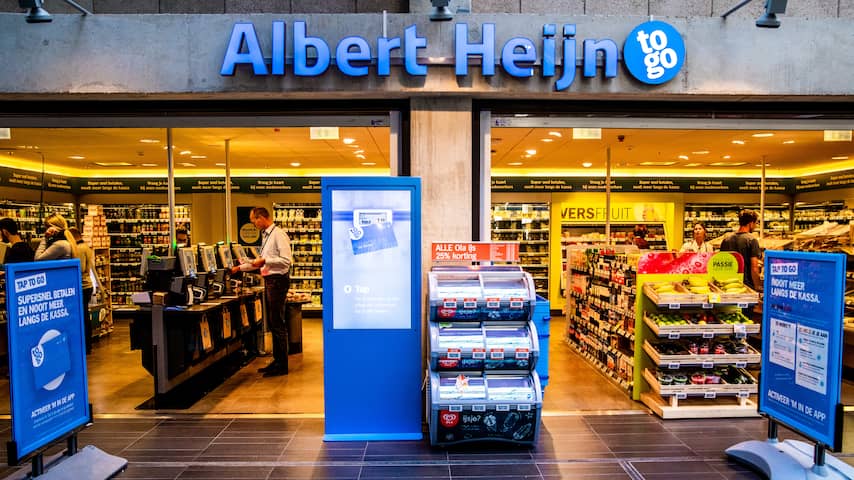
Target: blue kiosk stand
{"points": [[372, 308], [801, 375], [47, 372]]}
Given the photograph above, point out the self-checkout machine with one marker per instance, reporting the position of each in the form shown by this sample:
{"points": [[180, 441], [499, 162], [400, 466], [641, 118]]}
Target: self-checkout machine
{"points": [[47, 373], [484, 346], [801, 373]]}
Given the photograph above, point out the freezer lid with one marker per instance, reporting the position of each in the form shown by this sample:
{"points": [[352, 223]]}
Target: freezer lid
{"points": [[462, 387], [508, 337]]}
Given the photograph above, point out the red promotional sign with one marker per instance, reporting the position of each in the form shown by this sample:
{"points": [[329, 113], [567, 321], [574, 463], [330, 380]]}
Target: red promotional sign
{"points": [[475, 252]]}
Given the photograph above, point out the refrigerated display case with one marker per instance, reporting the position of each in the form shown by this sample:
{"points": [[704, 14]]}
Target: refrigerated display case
{"points": [[484, 349]]}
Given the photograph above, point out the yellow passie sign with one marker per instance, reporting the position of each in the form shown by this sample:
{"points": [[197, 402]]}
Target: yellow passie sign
{"points": [[583, 212]]}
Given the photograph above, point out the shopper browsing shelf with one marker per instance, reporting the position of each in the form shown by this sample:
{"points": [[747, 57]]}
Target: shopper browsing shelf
{"points": [[743, 242], [274, 263], [87, 266], [19, 250], [182, 237], [698, 244], [57, 242], [639, 239]]}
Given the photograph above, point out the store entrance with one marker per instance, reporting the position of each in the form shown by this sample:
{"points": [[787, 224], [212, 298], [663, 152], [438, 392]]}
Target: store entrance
{"points": [[122, 209]]}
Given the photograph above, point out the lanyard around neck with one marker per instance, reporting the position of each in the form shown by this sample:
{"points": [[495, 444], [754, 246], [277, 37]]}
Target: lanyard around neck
{"points": [[264, 243]]}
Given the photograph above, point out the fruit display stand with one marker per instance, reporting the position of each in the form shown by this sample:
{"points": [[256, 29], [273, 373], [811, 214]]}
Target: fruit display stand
{"points": [[692, 357]]}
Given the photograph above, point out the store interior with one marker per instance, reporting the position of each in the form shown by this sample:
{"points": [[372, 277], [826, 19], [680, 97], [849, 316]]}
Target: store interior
{"points": [[118, 382]]}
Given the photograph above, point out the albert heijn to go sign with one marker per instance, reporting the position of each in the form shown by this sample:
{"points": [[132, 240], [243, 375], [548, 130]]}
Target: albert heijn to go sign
{"points": [[653, 53]]}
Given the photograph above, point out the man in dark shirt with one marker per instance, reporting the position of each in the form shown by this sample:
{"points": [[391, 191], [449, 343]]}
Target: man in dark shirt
{"points": [[743, 242], [20, 251]]}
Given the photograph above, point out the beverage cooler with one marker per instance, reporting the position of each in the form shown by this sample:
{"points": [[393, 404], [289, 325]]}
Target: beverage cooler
{"points": [[484, 349]]}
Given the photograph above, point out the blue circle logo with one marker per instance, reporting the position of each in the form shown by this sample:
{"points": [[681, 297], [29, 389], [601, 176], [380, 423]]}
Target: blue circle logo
{"points": [[654, 52]]}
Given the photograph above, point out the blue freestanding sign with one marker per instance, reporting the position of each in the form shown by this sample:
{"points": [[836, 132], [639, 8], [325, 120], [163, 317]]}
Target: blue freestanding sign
{"points": [[47, 360], [372, 308], [802, 342]]}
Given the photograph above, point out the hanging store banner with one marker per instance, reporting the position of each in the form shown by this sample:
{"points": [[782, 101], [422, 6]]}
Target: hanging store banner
{"points": [[641, 184], [827, 181], [12, 177], [47, 360], [800, 383], [196, 185], [372, 308]]}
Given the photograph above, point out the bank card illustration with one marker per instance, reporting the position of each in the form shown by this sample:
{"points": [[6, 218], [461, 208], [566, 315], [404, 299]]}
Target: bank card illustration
{"points": [[372, 230], [50, 360]]}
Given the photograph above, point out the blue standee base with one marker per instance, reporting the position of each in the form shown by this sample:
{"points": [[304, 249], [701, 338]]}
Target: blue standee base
{"points": [[788, 460]]}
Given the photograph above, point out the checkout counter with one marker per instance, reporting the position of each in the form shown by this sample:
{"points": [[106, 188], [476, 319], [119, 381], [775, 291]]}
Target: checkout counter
{"points": [[192, 320]]}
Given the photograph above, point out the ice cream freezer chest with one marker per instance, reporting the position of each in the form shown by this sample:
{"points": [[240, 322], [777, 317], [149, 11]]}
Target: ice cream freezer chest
{"points": [[478, 407], [487, 346], [481, 295]]}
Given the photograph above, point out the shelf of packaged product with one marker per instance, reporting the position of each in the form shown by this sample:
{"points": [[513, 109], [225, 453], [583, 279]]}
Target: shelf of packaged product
{"points": [[708, 360], [722, 219], [611, 374], [699, 401]]}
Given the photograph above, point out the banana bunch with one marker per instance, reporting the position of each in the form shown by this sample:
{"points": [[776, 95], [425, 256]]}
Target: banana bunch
{"points": [[731, 285], [666, 287], [696, 284]]}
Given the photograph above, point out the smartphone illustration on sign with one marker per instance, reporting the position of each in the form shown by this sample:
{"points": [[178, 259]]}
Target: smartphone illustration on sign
{"points": [[372, 230], [50, 359]]}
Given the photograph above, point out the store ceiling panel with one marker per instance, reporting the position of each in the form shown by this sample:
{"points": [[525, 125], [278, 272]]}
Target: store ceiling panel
{"points": [[365, 150]]}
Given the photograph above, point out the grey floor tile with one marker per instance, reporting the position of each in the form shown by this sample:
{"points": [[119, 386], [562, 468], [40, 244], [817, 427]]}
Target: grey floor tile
{"points": [[222, 472], [627, 428], [582, 469], [170, 443], [687, 469], [406, 471], [640, 451], [140, 471], [316, 472], [646, 438], [495, 471]]}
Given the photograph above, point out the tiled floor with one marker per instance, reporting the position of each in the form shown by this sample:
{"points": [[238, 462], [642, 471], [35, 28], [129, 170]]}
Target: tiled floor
{"points": [[625, 446], [271, 428]]}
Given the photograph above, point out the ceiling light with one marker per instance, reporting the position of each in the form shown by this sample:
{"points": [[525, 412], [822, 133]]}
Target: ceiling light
{"points": [[531, 151], [515, 164], [587, 134], [759, 164], [683, 157], [556, 134], [547, 140], [149, 140], [361, 156], [187, 164], [837, 135], [762, 135], [295, 164], [348, 141], [198, 156], [738, 142], [727, 164], [692, 164], [788, 142], [76, 157], [369, 164], [358, 151], [841, 157], [353, 146], [726, 157], [184, 152], [586, 164], [147, 164], [657, 164], [219, 164], [700, 152], [520, 115], [113, 164]]}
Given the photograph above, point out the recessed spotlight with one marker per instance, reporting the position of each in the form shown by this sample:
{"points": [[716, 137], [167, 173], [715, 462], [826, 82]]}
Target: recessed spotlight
{"points": [[788, 142], [198, 156], [348, 141], [361, 156], [369, 164], [727, 164], [556, 134], [656, 164], [76, 157], [683, 157], [762, 135], [358, 151], [840, 157], [149, 140], [147, 164], [531, 151], [738, 142], [187, 164], [587, 164], [219, 164], [184, 152], [700, 152], [726, 157], [515, 164], [759, 164], [695, 164], [295, 164], [547, 140]]}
